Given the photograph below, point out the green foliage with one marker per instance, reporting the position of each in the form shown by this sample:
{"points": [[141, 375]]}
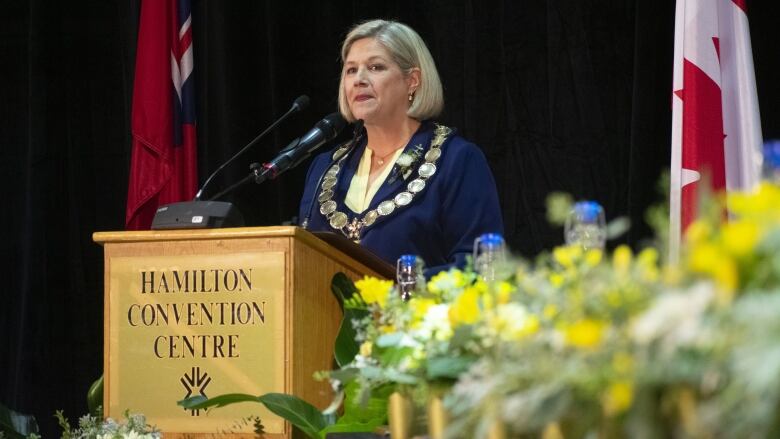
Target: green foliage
{"points": [[95, 396], [362, 413], [617, 227], [298, 412], [16, 425], [64, 423], [346, 346], [448, 368], [201, 402], [94, 426]]}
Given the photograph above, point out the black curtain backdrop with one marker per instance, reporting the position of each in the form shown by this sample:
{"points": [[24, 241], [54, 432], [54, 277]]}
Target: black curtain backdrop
{"points": [[562, 95]]}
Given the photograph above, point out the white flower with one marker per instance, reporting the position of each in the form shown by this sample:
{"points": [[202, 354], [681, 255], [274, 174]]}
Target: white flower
{"points": [[404, 160], [512, 321], [675, 317], [436, 324]]}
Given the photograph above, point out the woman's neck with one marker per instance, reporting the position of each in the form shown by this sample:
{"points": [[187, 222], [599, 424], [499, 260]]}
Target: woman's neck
{"points": [[383, 139]]}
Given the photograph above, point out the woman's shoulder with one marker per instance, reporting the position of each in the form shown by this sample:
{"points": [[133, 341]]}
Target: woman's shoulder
{"points": [[457, 146]]}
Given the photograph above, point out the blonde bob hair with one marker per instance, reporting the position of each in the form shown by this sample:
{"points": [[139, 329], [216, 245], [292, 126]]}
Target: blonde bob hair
{"points": [[408, 50]]}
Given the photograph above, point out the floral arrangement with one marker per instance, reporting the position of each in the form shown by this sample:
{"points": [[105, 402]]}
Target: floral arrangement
{"points": [[578, 343], [584, 343], [95, 427]]}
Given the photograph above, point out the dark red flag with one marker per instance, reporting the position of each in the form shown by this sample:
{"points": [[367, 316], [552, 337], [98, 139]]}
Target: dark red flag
{"points": [[163, 168]]}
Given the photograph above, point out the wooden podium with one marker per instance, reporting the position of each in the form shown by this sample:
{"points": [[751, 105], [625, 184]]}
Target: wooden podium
{"points": [[208, 312]]}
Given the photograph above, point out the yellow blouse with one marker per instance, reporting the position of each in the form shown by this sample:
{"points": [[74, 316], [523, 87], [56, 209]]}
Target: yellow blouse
{"points": [[359, 195]]}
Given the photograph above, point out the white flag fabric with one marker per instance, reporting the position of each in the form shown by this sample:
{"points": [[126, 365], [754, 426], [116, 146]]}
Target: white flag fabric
{"points": [[716, 128]]}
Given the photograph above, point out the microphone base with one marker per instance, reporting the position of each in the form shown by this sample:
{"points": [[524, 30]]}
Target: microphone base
{"points": [[197, 215]]}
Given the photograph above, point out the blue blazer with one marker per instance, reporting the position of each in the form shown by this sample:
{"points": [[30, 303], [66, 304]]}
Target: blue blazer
{"points": [[458, 204]]}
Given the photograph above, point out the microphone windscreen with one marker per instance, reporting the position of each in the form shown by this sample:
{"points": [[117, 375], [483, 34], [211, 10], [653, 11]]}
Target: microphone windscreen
{"points": [[332, 124], [300, 103]]}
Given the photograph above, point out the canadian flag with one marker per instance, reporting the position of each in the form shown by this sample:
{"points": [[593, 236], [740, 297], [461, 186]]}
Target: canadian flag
{"points": [[716, 128]]}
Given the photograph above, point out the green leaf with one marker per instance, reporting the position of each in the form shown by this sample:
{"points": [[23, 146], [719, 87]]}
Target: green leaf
{"points": [[95, 396], [201, 402], [299, 412], [401, 378], [461, 336], [371, 372], [16, 425], [346, 346], [559, 205], [395, 355], [448, 367], [343, 288], [372, 409], [344, 375], [618, 227], [361, 417], [389, 340]]}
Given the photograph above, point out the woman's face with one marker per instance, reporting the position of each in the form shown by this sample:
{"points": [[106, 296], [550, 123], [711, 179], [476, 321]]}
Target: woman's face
{"points": [[377, 90]]}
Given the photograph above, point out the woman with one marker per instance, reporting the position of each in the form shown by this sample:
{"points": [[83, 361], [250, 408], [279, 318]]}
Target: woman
{"points": [[405, 184]]}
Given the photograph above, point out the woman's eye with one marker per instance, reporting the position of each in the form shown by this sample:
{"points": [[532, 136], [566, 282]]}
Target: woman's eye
{"points": [[350, 70], [376, 67]]}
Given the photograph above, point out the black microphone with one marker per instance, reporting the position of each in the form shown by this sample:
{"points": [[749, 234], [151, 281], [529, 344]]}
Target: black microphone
{"points": [[300, 103], [356, 132], [300, 149]]}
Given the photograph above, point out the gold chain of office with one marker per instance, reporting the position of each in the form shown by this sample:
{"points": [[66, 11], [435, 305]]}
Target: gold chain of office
{"points": [[354, 229]]}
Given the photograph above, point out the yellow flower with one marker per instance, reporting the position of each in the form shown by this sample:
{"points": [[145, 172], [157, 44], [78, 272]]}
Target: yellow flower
{"points": [[647, 261], [727, 278], [419, 307], [365, 349], [593, 257], [585, 333], [697, 232], [511, 322], [481, 286], [740, 237], [374, 290], [621, 259], [712, 260], [550, 311], [465, 308], [487, 302], [761, 204], [446, 281], [504, 292], [556, 279], [567, 256], [618, 397], [704, 257]]}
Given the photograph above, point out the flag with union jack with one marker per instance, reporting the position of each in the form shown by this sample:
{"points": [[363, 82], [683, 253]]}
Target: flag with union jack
{"points": [[163, 167], [716, 127]]}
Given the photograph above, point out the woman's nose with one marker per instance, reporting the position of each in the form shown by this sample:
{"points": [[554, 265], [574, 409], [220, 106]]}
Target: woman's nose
{"points": [[360, 77]]}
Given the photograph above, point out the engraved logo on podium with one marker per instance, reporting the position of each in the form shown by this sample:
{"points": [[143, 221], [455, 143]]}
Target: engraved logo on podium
{"points": [[195, 383]]}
